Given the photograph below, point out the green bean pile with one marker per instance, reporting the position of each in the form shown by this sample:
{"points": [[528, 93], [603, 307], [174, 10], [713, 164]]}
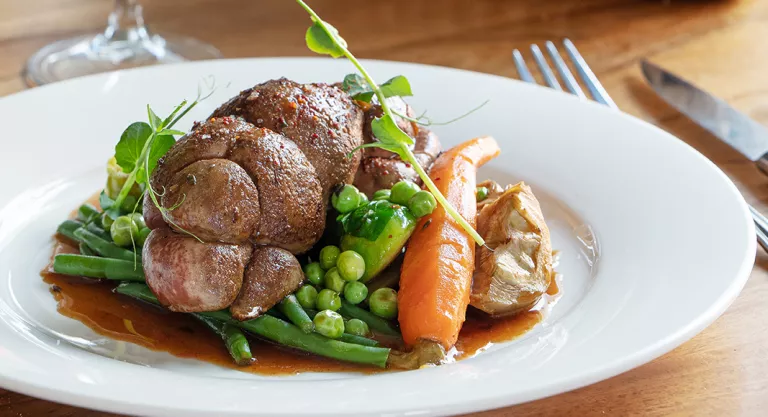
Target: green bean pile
{"points": [[331, 315]]}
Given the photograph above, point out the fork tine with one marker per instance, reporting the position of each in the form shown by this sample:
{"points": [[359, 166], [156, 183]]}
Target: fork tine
{"points": [[590, 80], [563, 70], [522, 69], [549, 76]]}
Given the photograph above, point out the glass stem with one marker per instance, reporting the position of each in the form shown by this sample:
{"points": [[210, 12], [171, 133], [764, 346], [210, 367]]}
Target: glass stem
{"points": [[126, 22]]}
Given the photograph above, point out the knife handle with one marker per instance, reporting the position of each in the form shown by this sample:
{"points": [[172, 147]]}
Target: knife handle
{"points": [[762, 163]]}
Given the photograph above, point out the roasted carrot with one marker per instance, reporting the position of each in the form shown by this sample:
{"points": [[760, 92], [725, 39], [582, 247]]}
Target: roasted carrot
{"points": [[436, 275]]}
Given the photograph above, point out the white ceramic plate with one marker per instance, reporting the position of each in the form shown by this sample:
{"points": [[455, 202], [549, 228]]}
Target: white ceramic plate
{"points": [[676, 245]]}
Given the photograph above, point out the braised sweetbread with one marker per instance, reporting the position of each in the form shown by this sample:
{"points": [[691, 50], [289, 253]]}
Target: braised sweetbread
{"points": [[228, 181], [272, 274], [187, 275], [321, 119]]}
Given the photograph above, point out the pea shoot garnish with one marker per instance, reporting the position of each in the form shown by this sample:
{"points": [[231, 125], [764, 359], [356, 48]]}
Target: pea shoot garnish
{"points": [[141, 146], [324, 39]]}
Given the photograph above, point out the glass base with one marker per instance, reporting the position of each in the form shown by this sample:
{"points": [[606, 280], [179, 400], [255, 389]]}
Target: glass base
{"points": [[91, 54]]}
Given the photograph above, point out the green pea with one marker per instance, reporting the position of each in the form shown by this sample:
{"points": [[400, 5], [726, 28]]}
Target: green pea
{"points": [[351, 265], [357, 327], [482, 193], [124, 231], [422, 203], [107, 220], [329, 324], [143, 235], [138, 219], [333, 280], [314, 273], [403, 191], [328, 256], [383, 303], [328, 300], [307, 296], [129, 204], [346, 199], [355, 292], [382, 194]]}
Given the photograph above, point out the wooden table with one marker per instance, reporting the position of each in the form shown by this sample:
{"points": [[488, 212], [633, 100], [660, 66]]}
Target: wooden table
{"points": [[721, 45]]}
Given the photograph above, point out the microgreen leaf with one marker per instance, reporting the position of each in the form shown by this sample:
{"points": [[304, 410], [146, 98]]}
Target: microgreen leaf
{"points": [[154, 120], [160, 145], [128, 149], [357, 87], [104, 201], [322, 38], [396, 86], [396, 149], [172, 132], [386, 131]]}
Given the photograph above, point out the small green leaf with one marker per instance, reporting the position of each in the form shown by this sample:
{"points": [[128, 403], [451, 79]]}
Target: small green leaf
{"points": [[154, 120], [397, 149], [172, 132], [357, 87], [387, 132], [128, 149], [397, 86], [160, 145], [325, 42], [104, 201]]}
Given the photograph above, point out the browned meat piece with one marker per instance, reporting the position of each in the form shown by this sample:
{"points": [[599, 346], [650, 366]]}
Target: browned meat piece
{"points": [[236, 181], [215, 200], [152, 216], [515, 268], [321, 119], [189, 276], [292, 205], [272, 274], [379, 172]]}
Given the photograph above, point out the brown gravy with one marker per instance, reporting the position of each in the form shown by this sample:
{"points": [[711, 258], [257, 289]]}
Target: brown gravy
{"points": [[93, 303]]}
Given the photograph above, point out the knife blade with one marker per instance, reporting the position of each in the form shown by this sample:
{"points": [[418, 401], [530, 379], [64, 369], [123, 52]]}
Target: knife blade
{"points": [[728, 124]]}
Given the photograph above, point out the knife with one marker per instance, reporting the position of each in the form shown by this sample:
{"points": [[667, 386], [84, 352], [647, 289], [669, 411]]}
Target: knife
{"points": [[728, 124]]}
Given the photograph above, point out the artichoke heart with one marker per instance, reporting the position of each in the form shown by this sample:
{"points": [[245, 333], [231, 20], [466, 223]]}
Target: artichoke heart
{"points": [[515, 268]]}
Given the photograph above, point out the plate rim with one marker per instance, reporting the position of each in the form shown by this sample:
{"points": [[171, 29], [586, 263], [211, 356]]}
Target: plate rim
{"points": [[608, 370]]}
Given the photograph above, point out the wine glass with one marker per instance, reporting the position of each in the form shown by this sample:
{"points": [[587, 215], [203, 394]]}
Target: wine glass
{"points": [[125, 43]]}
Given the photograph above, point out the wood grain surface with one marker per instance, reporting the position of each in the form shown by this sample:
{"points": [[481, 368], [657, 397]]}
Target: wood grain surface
{"points": [[721, 45]]}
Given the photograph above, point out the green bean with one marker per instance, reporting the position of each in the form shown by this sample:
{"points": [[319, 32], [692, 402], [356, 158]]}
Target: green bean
{"points": [[292, 309], [283, 333], [88, 213], [67, 228], [85, 250], [97, 267], [374, 322], [358, 340], [98, 231], [233, 338], [103, 247]]}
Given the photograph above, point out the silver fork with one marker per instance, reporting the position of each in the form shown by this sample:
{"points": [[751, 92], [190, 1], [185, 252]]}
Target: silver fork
{"points": [[596, 91]]}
